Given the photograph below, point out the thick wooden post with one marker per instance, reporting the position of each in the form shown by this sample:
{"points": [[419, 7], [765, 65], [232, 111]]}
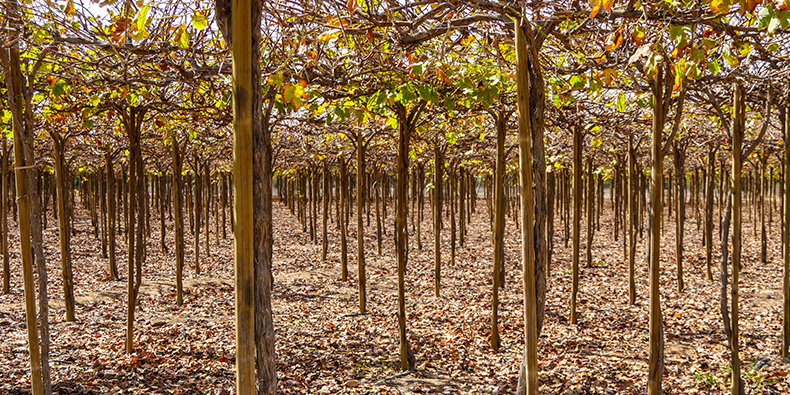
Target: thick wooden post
{"points": [[241, 49], [130, 212], [407, 360], [326, 196], [438, 167], [709, 188], [591, 208], [63, 229], [527, 213], [341, 220], [111, 215], [631, 232], [680, 212], [737, 165], [360, 228], [786, 239], [4, 218], [14, 84], [761, 196], [656, 351], [499, 224], [179, 219], [198, 213], [577, 214]]}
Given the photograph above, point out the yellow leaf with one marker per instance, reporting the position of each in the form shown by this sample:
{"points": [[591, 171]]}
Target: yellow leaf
{"points": [[720, 6], [596, 6], [638, 36], [615, 41], [331, 35]]}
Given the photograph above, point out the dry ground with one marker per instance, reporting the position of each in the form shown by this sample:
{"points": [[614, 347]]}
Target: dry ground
{"points": [[324, 348]]}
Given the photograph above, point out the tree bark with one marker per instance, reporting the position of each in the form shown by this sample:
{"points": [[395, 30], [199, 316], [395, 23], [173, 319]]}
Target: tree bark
{"points": [[179, 218], [737, 141], [405, 126], [499, 224], [360, 230], [378, 215], [63, 227], [632, 213], [680, 212], [29, 219], [160, 200], [656, 335], [577, 216], [528, 382], [590, 208], [132, 118], [198, 211], [4, 218], [103, 210], [709, 191], [761, 196], [342, 221], [111, 215], [324, 229], [786, 236], [438, 167]]}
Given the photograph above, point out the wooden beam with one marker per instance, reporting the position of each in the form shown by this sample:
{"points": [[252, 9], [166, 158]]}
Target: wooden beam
{"points": [[527, 213], [241, 49]]}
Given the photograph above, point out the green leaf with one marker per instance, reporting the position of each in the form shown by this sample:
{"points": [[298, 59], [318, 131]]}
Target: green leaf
{"points": [[392, 123], [577, 82], [449, 104], [424, 92], [679, 35], [708, 43], [59, 88], [381, 98], [450, 137], [406, 94], [714, 67], [621, 101], [417, 69], [288, 92]]}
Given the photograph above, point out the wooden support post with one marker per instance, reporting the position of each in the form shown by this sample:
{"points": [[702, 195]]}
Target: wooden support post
{"points": [[737, 166], [360, 229], [527, 213], [656, 348], [577, 214], [786, 238], [631, 232], [241, 49]]}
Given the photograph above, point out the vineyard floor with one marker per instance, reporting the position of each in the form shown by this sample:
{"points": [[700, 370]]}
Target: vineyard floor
{"points": [[323, 347]]}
